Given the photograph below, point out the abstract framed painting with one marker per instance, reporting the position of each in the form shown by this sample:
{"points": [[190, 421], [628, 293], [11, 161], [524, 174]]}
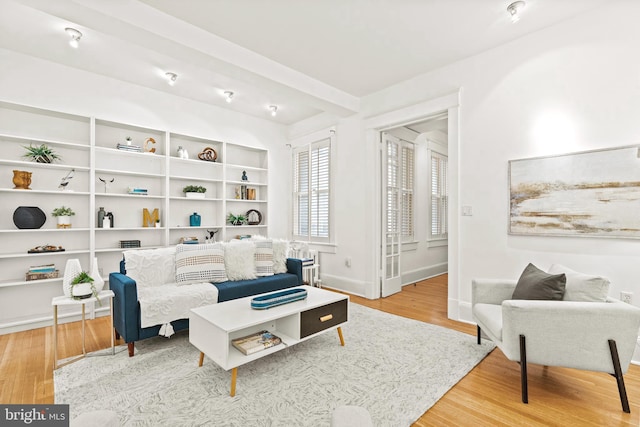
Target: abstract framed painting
{"points": [[591, 194]]}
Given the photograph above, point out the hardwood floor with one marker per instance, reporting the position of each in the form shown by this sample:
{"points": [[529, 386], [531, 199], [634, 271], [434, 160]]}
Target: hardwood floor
{"points": [[488, 396]]}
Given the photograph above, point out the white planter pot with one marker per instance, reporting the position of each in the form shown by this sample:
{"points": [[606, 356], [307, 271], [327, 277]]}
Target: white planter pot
{"points": [[194, 195], [82, 290], [64, 220]]}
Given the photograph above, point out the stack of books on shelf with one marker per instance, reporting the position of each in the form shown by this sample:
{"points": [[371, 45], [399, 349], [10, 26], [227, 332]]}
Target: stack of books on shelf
{"points": [[38, 272], [134, 148], [138, 191], [256, 342], [129, 243], [189, 240]]}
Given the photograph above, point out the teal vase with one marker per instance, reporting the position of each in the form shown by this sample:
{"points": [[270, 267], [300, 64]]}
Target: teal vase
{"points": [[194, 220]]}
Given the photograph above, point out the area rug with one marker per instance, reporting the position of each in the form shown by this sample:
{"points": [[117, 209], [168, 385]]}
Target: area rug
{"points": [[396, 368]]}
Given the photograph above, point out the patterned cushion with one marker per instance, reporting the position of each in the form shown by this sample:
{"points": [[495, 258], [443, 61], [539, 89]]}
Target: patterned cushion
{"points": [[264, 257], [200, 263], [151, 267]]}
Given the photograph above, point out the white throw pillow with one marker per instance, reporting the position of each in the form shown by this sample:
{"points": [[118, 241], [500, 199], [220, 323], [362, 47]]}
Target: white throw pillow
{"points": [[264, 257], [200, 263], [280, 251], [239, 260], [151, 267], [582, 287]]}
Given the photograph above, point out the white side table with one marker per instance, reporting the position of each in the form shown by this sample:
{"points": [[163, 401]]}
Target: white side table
{"points": [[64, 300], [310, 275]]}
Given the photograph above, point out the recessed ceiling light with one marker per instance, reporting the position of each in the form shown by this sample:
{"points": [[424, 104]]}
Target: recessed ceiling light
{"points": [[228, 95], [75, 37], [273, 109], [514, 10], [171, 78]]}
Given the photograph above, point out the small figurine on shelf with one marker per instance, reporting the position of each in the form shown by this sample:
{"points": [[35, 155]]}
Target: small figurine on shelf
{"points": [[105, 182], [65, 181], [212, 235], [244, 176], [183, 153]]}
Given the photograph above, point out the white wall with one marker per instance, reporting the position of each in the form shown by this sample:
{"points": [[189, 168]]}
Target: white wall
{"points": [[569, 88]]}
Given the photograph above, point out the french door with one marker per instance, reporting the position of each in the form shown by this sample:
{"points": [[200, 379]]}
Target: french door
{"points": [[391, 232]]}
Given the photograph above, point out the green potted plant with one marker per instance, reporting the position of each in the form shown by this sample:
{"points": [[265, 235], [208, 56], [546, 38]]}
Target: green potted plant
{"points": [[40, 154], [64, 215], [194, 191], [82, 286], [237, 219]]}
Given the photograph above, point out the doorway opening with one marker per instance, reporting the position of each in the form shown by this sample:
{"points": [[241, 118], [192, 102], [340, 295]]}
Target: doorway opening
{"points": [[414, 202]]}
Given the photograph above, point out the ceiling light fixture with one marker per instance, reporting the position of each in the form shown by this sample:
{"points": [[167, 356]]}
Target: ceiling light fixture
{"points": [[273, 109], [75, 37], [171, 77], [514, 10], [228, 95]]}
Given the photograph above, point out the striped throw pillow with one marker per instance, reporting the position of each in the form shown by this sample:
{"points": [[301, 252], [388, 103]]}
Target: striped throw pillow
{"points": [[264, 257], [200, 263]]}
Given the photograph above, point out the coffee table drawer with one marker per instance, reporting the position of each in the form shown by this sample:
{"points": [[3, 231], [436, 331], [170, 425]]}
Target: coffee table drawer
{"points": [[321, 318]]}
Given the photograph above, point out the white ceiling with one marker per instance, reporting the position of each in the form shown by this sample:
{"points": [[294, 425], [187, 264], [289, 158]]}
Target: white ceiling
{"points": [[307, 56]]}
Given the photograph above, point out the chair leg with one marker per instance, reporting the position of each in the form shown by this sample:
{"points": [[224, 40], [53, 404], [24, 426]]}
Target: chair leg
{"points": [[479, 335], [618, 374], [523, 370]]}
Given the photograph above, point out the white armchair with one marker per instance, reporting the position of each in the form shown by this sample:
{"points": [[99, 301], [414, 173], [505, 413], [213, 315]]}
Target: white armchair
{"points": [[595, 336]]}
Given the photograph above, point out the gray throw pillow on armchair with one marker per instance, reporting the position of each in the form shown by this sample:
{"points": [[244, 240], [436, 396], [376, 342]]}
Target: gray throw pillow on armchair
{"points": [[535, 284]]}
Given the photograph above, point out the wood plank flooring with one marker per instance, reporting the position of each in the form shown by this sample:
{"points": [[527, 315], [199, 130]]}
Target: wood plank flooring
{"points": [[488, 396]]}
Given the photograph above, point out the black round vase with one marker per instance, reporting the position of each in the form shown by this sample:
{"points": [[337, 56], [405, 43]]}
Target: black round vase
{"points": [[29, 217]]}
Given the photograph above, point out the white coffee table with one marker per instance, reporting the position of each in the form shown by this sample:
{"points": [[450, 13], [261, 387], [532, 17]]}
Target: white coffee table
{"points": [[213, 327]]}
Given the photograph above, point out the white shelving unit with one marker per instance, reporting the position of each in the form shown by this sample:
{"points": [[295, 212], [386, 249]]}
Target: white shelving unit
{"points": [[102, 176]]}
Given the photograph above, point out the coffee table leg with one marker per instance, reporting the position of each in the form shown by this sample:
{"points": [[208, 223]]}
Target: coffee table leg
{"points": [[201, 360], [340, 335], [234, 376]]}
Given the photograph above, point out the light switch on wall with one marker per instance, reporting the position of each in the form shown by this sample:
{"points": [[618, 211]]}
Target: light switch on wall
{"points": [[467, 211]]}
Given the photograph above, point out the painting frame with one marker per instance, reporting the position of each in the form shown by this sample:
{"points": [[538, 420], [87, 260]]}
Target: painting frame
{"points": [[594, 193]]}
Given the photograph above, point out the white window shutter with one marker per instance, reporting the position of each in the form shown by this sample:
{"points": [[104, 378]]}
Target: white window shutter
{"points": [[312, 175]]}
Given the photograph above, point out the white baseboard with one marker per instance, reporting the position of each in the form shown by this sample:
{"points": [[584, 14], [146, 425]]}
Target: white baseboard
{"points": [[419, 274], [45, 321], [355, 287]]}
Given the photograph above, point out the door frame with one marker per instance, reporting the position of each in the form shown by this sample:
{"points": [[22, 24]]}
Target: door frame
{"points": [[374, 126]]}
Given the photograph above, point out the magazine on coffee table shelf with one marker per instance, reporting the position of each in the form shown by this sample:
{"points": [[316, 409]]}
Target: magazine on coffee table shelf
{"points": [[256, 342]]}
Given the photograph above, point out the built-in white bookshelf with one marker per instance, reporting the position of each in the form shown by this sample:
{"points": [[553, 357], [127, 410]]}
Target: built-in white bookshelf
{"points": [[103, 175]]}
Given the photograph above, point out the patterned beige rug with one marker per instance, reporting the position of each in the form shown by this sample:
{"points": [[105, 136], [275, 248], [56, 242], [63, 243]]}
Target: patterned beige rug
{"points": [[397, 368]]}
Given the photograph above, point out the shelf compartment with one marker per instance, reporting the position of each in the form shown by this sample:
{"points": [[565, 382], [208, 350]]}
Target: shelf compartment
{"points": [[134, 196], [110, 134], [44, 254], [18, 282], [52, 192], [23, 122], [52, 230], [39, 141]]}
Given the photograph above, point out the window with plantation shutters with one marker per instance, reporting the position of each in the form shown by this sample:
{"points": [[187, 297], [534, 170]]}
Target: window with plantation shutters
{"points": [[439, 196], [311, 206], [407, 190]]}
